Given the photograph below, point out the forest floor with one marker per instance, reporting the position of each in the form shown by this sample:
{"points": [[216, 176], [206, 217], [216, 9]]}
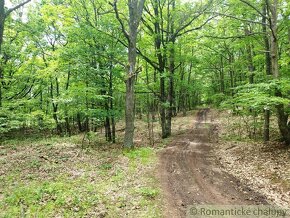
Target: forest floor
{"points": [[55, 177], [264, 167], [85, 177]]}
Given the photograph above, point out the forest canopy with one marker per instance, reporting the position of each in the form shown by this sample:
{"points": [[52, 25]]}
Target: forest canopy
{"points": [[70, 66]]}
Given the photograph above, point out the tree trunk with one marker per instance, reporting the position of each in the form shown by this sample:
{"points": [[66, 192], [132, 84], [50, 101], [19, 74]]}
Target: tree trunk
{"points": [[79, 121], [67, 124], [266, 125], [135, 14], [266, 42], [55, 109], [171, 94], [2, 20], [108, 132], [274, 47], [113, 129], [189, 96], [283, 124], [111, 103], [182, 92], [163, 106], [268, 71], [161, 69], [222, 79], [251, 67], [170, 97], [149, 108], [231, 61]]}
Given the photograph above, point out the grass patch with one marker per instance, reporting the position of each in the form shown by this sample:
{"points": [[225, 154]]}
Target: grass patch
{"points": [[56, 178], [47, 199], [148, 192], [144, 154]]}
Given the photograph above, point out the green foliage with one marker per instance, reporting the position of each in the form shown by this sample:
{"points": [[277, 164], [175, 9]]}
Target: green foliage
{"points": [[258, 96], [64, 62], [217, 99]]}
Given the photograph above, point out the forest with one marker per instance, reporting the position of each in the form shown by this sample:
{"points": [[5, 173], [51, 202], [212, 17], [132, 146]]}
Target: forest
{"points": [[124, 77]]}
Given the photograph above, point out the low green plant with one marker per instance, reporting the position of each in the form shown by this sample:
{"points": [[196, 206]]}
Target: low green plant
{"points": [[148, 192]]}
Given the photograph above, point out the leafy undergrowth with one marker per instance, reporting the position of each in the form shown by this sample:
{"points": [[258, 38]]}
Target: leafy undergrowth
{"points": [[56, 178], [264, 167]]}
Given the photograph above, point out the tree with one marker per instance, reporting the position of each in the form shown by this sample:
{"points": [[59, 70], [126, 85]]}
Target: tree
{"points": [[135, 8], [272, 11], [166, 24], [3, 15], [64, 64]]}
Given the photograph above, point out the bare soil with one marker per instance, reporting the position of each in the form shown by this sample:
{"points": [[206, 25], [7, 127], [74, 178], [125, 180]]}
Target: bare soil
{"points": [[190, 173]]}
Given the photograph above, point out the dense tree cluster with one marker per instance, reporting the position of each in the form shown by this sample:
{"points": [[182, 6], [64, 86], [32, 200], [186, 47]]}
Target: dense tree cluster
{"points": [[74, 66]]}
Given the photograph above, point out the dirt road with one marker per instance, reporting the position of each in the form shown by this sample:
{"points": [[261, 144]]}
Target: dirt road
{"points": [[191, 174]]}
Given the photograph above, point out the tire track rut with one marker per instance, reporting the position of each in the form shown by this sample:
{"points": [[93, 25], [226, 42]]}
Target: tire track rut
{"points": [[190, 173]]}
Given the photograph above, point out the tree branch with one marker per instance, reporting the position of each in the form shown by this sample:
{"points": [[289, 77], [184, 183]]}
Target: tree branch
{"points": [[114, 5], [253, 7], [197, 28], [9, 11], [151, 62], [182, 27], [148, 26], [232, 37], [237, 18]]}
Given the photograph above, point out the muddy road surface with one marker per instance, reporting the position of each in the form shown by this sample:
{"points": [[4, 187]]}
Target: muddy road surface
{"points": [[190, 173]]}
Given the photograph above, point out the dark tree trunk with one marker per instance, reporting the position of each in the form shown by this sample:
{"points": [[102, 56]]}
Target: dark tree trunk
{"points": [[222, 79], [2, 20], [171, 93], [112, 104], [266, 125], [40, 119], [170, 97], [79, 121], [232, 81], [113, 129], [284, 125], [149, 108], [55, 107], [268, 69], [108, 132], [163, 105], [189, 96], [266, 42], [161, 69], [67, 124], [182, 92], [87, 124]]}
